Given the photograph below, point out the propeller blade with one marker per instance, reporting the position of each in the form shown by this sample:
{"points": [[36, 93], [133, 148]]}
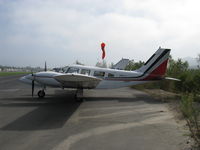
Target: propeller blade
{"points": [[33, 84]]}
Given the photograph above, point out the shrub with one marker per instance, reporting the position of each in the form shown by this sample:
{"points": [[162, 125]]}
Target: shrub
{"points": [[191, 115]]}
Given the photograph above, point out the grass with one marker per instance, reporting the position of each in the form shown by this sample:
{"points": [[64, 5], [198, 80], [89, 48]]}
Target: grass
{"points": [[3, 74]]}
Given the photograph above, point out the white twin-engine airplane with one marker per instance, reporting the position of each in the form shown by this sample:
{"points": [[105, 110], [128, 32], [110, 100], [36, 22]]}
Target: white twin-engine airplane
{"points": [[87, 77]]}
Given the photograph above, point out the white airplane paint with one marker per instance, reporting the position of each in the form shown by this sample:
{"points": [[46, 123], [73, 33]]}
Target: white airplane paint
{"points": [[87, 77]]}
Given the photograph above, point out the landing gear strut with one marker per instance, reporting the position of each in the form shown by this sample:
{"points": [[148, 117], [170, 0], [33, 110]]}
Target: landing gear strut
{"points": [[41, 94], [79, 95]]}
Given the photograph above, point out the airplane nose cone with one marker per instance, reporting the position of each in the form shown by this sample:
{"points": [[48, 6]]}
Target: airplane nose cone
{"points": [[29, 76], [22, 78], [26, 79]]}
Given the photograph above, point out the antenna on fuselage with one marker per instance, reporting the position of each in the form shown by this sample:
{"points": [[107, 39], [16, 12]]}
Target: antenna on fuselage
{"points": [[45, 66]]}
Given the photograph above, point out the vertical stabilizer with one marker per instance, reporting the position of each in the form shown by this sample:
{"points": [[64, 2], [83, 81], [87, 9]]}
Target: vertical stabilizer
{"points": [[156, 65]]}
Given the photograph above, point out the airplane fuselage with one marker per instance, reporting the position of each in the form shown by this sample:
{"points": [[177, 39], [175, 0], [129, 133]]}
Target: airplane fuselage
{"points": [[110, 78], [87, 77]]}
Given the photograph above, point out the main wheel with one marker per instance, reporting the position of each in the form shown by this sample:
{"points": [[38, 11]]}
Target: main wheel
{"points": [[41, 94], [79, 95], [79, 99]]}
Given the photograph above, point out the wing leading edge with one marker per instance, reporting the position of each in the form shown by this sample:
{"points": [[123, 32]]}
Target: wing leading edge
{"points": [[77, 81]]}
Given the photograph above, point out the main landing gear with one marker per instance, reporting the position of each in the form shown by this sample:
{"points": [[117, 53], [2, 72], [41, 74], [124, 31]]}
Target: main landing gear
{"points": [[79, 95], [41, 94]]}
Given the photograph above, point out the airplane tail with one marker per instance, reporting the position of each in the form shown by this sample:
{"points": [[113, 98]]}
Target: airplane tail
{"points": [[156, 66]]}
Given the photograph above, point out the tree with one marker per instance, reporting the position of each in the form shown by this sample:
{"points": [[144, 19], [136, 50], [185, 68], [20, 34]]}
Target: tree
{"points": [[111, 65], [78, 63], [198, 61], [177, 67]]}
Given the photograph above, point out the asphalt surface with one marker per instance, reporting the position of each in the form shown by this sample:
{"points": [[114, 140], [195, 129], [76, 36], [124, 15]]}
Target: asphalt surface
{"points": [[108, 119]]}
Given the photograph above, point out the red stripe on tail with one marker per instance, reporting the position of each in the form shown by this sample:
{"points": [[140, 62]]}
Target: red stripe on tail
{"points": [[158, 73]]}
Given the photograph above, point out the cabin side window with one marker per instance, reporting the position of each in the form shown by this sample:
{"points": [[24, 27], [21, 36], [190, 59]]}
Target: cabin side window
{"points": [[99, 74], [85, 71], [110, 75], [72, 70]]}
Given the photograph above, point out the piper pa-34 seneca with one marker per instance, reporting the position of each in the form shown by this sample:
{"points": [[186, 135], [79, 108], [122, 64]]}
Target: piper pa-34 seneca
{"points": [[87, 77]]}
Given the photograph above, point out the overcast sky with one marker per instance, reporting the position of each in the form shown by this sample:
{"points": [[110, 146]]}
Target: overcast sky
{"points": [[61, 32]]}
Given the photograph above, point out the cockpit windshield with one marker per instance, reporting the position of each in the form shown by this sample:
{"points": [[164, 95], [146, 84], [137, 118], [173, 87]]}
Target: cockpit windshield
{"points": [[72, 70]]}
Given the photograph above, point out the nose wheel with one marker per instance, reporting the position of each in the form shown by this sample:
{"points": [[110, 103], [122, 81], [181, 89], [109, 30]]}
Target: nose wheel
{"points": [[41, 94]]}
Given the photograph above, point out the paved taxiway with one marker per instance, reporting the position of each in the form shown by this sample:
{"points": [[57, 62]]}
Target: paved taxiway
{"points": [[109, 119]]}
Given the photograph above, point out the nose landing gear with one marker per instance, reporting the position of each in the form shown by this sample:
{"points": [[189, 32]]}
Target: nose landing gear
{"points": [[41, 94]]}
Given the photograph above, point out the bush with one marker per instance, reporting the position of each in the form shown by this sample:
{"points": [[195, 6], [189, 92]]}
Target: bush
{"points": [[191, 115]]}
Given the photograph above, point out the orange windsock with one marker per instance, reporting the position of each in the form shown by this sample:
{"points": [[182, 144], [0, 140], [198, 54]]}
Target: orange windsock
{"points": [[103, 50]]}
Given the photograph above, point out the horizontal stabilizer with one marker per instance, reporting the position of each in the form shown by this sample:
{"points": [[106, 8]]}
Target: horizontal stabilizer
{"points": [[174, 79]]}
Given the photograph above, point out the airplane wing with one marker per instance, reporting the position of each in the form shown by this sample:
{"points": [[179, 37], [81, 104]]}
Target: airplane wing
{"points": [[77, 80]]}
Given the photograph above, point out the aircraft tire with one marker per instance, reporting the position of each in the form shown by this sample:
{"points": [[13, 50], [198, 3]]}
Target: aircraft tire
{"points": [[79, 100], [79, 95], [41, 94]]}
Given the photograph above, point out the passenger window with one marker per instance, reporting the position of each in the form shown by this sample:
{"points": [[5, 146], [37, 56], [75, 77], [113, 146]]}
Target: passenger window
{"points": [[110, 75], [72, 70], [99, 74], [85, 71]]}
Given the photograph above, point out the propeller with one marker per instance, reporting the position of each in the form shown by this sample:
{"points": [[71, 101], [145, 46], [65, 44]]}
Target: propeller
{"points": [[33, 84], [45, 69]]}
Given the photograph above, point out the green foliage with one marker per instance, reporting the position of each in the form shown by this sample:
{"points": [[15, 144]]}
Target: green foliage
{"points": [[12, 73], [177, 67], [190, 81], [191, 115], [187, 106]]}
